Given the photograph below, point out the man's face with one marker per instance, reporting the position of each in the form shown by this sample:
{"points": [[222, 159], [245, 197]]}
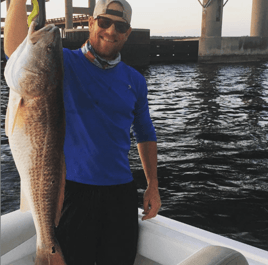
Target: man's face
{"points": [[107, 42]]}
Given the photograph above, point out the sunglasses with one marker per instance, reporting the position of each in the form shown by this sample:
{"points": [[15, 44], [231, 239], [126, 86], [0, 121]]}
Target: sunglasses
{"points": [[105, 23]]}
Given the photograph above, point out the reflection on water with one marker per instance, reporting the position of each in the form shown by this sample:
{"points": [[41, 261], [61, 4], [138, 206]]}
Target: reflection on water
{"points": [[212, 130], [211, 123]]}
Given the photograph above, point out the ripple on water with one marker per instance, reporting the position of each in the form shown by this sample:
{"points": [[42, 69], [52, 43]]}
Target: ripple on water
{"points": [[212, 129]]}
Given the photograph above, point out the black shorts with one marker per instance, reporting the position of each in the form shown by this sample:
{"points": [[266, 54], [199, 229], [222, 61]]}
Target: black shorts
{"points": [[99, 224]]}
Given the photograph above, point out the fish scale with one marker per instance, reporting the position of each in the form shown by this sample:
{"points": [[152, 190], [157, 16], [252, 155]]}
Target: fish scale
{"points": [[35, 126]]}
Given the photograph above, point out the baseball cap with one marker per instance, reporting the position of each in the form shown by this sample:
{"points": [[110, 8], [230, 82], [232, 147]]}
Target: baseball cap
{"points": [[101, 8]]}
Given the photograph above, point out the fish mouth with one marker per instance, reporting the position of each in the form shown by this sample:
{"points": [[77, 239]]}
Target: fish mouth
{"points": [[56, 33], [50, 33], [54, 28], [51, 28]]}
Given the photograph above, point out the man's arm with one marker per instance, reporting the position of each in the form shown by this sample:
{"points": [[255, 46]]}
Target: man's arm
{"points": [[151, 201], [16, 28]]}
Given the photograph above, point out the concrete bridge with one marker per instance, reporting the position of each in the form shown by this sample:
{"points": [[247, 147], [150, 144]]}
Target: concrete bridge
{"points": [[215, 48], [211, 47]]}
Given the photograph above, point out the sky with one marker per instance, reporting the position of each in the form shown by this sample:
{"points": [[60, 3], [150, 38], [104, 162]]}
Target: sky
{"points": [[170, 17]]}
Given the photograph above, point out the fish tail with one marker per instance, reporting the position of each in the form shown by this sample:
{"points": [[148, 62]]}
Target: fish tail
{"points": [[52, 256]]}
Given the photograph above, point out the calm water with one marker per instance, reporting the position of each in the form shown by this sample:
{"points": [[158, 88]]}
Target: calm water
{"points": [[212, 129]]}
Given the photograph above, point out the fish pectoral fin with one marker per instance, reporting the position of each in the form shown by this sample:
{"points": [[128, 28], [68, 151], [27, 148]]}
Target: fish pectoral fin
{"points": [[17, 119], [14, 103], [24, 205]]}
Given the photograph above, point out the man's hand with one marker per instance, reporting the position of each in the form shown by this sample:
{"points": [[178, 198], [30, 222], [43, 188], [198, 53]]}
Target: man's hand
{"points": [[151, 199], [151, 203]]}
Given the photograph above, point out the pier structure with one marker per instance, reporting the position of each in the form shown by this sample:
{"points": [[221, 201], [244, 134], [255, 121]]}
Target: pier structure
{"points": [[213, 48], [70, 10]]}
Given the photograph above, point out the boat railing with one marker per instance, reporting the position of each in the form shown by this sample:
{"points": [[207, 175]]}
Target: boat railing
{"points": [[161, 241]]}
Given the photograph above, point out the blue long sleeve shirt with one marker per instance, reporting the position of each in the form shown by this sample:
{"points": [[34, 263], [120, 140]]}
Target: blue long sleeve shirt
{"points": [[101, 106]]}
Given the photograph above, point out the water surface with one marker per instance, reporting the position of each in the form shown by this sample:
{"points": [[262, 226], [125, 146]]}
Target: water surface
{"points": [[212, 129]]}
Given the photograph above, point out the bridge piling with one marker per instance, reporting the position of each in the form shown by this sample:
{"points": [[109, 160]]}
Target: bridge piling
{"points": [[259, 19], [91, 4], [213, 48], [68, 14], [7, 4], [211, 28]]}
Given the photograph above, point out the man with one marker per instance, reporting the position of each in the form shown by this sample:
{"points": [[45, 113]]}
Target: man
{"points": [[103, 98]]}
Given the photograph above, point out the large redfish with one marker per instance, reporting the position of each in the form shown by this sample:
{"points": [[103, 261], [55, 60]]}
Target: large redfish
{"points": [[35, 126]]}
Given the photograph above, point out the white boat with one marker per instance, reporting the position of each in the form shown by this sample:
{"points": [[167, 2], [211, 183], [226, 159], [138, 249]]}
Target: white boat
{"points": [[161, 241]]}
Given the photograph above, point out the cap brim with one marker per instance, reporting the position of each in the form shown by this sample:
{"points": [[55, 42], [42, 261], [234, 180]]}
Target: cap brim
{"points": [[115, 18]]}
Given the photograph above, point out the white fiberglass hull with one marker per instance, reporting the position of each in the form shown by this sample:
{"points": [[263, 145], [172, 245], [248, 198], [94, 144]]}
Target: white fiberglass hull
{"points": [[161, 241]]}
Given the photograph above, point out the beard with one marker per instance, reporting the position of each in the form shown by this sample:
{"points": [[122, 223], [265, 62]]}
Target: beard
{"points": [[107, 51]]}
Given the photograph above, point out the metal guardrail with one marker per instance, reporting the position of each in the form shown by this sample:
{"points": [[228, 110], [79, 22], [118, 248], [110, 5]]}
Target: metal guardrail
{"points": [[78, 20], [83, 18]]}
